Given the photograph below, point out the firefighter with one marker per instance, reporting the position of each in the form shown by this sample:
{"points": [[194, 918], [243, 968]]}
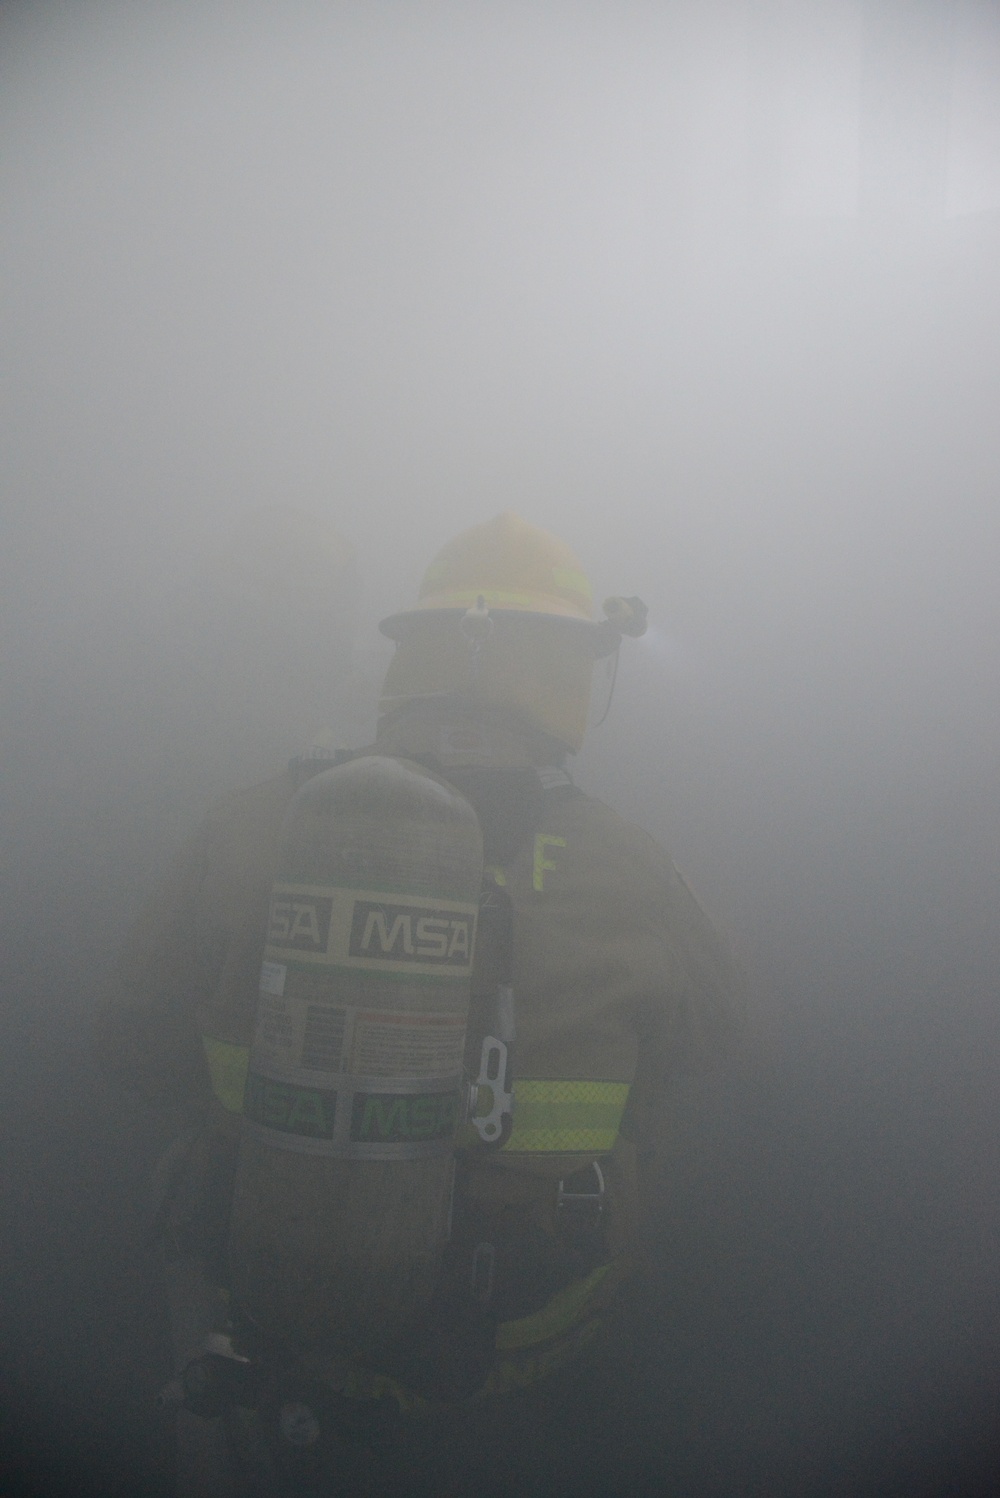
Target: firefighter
{"points": [[616, 973]]}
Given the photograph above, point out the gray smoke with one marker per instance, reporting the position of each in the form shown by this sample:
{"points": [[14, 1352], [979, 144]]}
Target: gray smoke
{"points": [[712, 290]]}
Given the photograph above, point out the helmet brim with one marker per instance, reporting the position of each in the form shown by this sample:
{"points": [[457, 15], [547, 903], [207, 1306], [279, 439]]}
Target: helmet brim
{"points": [[397, 626]]}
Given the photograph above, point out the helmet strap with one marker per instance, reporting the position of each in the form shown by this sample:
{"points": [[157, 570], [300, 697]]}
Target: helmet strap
{"points": [[611, 689]]}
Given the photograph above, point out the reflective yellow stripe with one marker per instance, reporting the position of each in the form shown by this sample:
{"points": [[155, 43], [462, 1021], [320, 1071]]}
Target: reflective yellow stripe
{"points": [[567, 1117], [227, 1066], [544, 840], [555, 1317], [519, 1370]]}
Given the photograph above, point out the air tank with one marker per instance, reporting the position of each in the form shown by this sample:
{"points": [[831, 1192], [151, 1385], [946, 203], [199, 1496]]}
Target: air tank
{"points": [[355, 1090]]}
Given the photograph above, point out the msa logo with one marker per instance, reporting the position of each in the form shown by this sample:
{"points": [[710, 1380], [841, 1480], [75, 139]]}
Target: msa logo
{"points": [[403, 1118], [410, 933], [307, 1111], [300, 924]]}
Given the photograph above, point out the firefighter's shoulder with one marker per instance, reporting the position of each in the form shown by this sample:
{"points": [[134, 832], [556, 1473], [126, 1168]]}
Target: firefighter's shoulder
{"points": [[627, 859], [634, 877]]}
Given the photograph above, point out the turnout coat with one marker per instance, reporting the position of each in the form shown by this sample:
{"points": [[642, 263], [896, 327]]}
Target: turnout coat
{"points": [[619, 980]]}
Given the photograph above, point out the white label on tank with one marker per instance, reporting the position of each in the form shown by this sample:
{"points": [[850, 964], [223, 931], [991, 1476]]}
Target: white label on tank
{"points": [[408, 1045], [272, 977]]}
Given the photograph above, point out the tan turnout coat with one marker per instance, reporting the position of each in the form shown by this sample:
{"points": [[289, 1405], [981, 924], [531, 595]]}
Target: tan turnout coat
{"points": [[618, 978]]}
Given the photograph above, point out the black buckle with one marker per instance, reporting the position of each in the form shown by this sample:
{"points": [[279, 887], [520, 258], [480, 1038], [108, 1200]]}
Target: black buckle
{"points": [[589, 1203]]}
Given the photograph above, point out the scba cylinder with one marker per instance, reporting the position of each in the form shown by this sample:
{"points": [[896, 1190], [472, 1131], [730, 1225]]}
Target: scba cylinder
{"points": [[355, 1089]]}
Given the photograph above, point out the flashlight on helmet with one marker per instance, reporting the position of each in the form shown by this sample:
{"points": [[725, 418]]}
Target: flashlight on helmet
{"points": [[623, 616]]}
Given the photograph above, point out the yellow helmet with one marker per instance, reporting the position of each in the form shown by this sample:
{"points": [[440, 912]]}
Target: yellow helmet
{"points": [[510, 565], [504, 614]]}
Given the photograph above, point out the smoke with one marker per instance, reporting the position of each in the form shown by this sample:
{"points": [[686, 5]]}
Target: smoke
{"points": [[710, 290]]}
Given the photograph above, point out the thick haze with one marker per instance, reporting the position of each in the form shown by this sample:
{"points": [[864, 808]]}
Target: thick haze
{"points": [[712, 290]]}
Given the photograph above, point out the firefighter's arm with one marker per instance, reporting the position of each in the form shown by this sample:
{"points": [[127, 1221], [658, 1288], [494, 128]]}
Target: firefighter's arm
{"points": [[690, 1037]]}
